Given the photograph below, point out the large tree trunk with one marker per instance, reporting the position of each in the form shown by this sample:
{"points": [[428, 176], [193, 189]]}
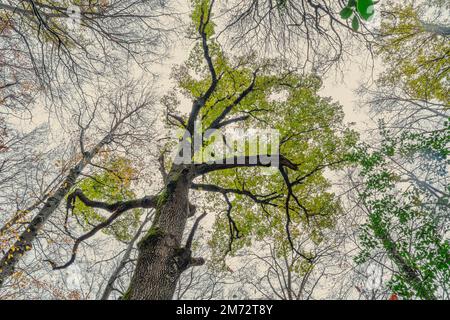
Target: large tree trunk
{"points": [[161, 258]]}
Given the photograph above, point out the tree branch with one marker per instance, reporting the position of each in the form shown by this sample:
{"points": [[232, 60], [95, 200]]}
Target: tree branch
{"points": [[193, 230], [116, 208], [263, 199], [145, 202], [200, 102], [217, 122], [242, 161]]}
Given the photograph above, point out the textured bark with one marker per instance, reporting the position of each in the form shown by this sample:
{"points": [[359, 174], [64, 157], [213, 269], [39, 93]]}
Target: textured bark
{"points": [[161, 258], [20, 247]]}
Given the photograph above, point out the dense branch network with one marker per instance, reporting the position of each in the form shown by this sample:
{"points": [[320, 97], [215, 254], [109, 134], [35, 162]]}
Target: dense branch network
{"points": [[194, 170]]}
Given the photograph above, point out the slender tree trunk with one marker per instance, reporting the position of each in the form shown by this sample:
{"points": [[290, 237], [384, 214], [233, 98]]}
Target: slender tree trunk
{"points": [[24, 244], [437, 29], [19, 215], [161, 258], [123, 262], [410, 273]]}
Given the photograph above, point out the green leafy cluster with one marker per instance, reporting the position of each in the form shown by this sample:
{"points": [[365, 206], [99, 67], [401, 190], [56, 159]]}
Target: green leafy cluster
{"points": [[110, 186], [357, 10], [416, 58], [406, 223], [200, 16], [407, 217], [312, 130]]}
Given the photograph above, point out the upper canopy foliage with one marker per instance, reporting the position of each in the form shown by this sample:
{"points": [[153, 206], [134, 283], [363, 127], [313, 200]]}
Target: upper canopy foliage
{"points": [[265, 94], [416, 53]]}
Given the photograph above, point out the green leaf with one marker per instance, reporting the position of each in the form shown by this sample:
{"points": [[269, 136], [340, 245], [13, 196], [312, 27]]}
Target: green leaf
{"points": [[355, 23], [365, 8], [281, 3], [346, 13]]}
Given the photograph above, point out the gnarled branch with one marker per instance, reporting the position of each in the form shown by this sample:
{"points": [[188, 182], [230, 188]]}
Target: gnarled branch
{"points": [[242, 161], [116, 209]]}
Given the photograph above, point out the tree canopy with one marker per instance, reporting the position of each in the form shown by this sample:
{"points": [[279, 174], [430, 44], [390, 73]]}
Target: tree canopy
{"points": [[171, 150]]}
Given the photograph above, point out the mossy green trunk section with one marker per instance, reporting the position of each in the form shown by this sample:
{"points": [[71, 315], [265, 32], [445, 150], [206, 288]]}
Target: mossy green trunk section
{"points": [[157, 272]]}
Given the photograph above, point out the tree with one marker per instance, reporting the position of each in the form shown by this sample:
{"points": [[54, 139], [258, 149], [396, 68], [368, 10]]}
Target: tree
{"points": [[126, 106], [253, 201], [416, 56], [50, 46], [19, 163], [406, 222], [284, 274], [229, 91], [403, 188]]}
